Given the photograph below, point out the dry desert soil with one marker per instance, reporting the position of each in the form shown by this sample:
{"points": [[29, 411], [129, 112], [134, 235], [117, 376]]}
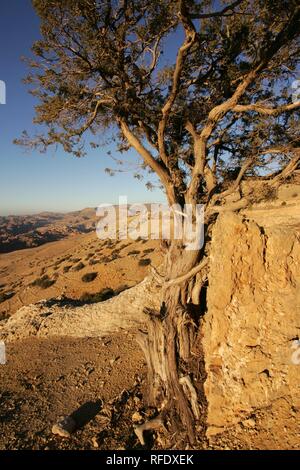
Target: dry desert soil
{"points": [[99, 381]]}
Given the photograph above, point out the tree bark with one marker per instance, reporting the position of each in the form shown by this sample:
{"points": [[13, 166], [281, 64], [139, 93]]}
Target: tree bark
{"points": [[169, 340], [62, 318]]}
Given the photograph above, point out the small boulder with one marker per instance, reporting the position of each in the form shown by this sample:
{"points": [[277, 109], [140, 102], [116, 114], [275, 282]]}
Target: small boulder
{"points": [[136, 417], [64, 427]]}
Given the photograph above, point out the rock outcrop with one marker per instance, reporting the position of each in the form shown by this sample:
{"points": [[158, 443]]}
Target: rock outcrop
{"points": [[252, 325]]}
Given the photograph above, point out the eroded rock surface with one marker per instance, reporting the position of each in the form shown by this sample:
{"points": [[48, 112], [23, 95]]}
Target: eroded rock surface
{"points": [[252, 325]]}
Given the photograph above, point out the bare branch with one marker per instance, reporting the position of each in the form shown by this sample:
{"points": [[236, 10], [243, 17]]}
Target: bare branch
{"points": [[259, 108], [218, 112], [148, 158], [248, 163], [282, 149], [216, 13], [288, 170], [91, 120], [188, 275], [148, 131], [190, 37], [234, 207]]}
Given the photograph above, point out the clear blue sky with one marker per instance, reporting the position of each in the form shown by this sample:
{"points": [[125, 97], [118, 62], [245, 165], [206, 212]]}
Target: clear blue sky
{"points": [[33, 182]]}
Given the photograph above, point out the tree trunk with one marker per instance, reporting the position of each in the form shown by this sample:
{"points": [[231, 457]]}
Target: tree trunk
{"points": [[168, 343], [123, 312]]}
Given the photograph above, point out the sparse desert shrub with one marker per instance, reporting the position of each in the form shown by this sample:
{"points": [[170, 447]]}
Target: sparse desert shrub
{"points": [[4, 315], [294, 194], [6, 296], [107, 243], [65, 258], [148, 250], [92, 262], [100, 296], [144, 262], [269, 193], [140, 239], [43, 282], [120, 289], [264, 193], [67, 268], [133, 252], [89, 277], [123, 246], [2, 286], [90, 255], [283, 203], [75, 260], [78, 266]]}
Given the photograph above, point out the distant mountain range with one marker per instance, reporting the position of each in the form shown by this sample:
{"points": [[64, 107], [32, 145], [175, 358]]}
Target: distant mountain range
{"points": [[28, 231]]}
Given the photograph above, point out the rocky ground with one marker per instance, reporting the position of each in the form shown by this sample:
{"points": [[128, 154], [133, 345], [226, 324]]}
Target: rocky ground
{"points": [[97, 381], [251, 386], [101, 383], [77, 268]]}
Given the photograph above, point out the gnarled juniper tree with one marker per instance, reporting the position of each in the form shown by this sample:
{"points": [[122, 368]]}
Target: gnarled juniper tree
{"points": [[204, 118]]}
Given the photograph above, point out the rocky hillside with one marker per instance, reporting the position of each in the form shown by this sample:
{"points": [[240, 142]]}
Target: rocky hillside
{"points": [[19, 232]]}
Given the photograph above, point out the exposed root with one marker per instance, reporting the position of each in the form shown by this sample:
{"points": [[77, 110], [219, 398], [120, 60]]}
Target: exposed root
{"points": [[187, 276], [196, 289], [151, 425], [55, 318], [191, 393], [157, 277]]}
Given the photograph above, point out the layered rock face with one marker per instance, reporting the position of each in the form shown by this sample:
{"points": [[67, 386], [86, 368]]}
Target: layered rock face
{"points": [[252, 325]]}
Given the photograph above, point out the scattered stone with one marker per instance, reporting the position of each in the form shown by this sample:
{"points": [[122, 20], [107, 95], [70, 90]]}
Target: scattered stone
{"points": [[249, 423], [95, 442], [137, 417], [113, 360], [64, 427]]}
